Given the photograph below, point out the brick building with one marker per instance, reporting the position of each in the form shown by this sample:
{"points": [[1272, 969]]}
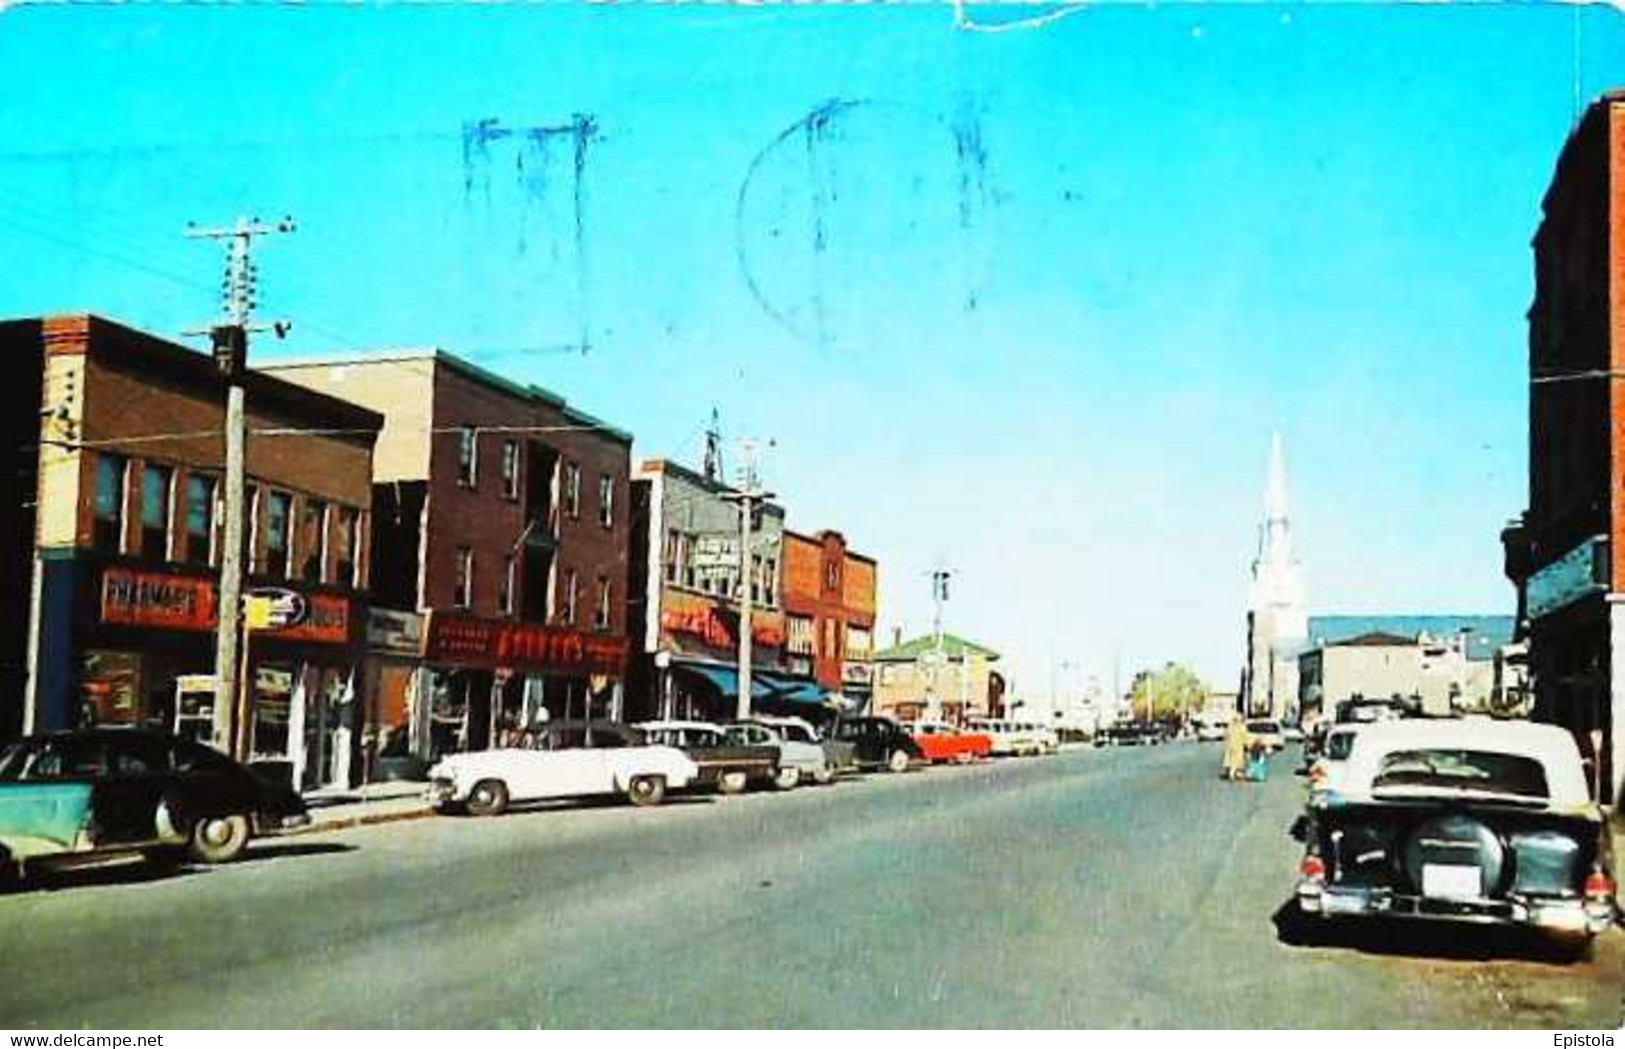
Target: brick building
{"points": [[122, 442], [829, 610], [501, 524], [1566, 554]]}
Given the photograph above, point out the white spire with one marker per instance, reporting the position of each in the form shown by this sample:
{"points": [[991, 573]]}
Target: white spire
{"points": [[1275, 502]]}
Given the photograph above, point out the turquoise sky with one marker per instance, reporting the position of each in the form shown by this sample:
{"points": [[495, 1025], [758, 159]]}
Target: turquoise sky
{"points": [[1026, 301]]}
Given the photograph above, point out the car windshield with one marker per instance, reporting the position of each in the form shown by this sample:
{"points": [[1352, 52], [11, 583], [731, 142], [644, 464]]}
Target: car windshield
{"points": [[1339, 745], [1263, 728], [1466, 770]]}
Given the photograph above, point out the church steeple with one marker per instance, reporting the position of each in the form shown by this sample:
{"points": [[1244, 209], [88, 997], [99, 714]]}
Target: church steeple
{"points": [[1277, 620]]}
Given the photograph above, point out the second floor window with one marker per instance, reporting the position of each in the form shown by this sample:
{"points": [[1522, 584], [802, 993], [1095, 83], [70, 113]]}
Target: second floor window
{"points": [[111, 471], [463, 597], [606, 500], [312, 540], [572, 489], [468, 456], [346, 541], [505, 601], [155, 482], [200, 518], [510, 469], [278, 545], [601, 618], [571, 596]]}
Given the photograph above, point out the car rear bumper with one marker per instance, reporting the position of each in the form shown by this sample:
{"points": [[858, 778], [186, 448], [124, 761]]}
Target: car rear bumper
{"points": [[1556, 914]]}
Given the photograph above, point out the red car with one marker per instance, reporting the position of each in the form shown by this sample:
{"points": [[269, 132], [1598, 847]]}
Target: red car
{"points": [[940, 741]]}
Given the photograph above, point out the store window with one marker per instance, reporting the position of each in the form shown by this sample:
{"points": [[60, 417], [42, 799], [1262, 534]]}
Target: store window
{"points": [[468, 456], [111, 473], [200, 519], [312, 541], [155, 490], [278, 544], [109, 688], [273, 707]]}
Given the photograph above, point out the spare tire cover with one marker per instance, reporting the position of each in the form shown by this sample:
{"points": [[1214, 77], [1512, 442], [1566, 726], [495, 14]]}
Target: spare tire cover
{"points": [[1457, 839]]}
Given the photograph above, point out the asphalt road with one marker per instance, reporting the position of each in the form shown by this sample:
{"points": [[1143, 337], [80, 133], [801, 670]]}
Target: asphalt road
{"points": [[1117, 888]]}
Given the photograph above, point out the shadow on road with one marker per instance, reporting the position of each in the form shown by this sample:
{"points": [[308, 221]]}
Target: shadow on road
{"points": [[136, 870], [1421, 939]]}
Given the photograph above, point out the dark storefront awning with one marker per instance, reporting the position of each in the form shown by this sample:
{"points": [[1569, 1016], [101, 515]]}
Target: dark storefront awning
{"points": [[725, 679]]}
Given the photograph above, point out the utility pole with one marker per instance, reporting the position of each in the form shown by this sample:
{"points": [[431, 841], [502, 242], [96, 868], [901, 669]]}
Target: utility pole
{"points": [[939, 595], [748, 495], [230, 341]]}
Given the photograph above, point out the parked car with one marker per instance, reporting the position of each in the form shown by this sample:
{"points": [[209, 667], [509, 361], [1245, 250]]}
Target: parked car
{"points": [[1211, 731], [1266, 731], [1478, 822], [726, 762], [940, 741], [1326, 772], [1130, 734], [1045, 736], [795, 745], [1007, 738], [67, 797], [879, 742], [563, 759]]}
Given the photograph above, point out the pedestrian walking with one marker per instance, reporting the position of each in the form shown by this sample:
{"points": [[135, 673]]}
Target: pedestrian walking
{"points": [[1258, 761], [1235, 750]]}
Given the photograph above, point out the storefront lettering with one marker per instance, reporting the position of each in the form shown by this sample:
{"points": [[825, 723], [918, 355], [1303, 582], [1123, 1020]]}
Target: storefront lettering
{"points": [[154, 599], [522, 646], [718, 627]]}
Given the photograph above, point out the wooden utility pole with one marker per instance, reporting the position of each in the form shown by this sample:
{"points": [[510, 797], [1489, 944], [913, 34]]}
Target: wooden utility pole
{"points": [[230, 342], [748, 495]]}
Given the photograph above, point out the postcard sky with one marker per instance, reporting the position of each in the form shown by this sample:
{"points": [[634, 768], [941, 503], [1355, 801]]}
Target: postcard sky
{"points": [[1027, 303]]}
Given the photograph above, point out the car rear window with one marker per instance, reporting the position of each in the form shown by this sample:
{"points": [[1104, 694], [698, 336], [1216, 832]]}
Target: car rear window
{"points": [[1465, 770], [1339, 745]]}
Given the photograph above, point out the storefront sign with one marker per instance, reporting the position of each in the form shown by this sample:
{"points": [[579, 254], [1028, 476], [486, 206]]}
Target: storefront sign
{"points": [[327, 620], [861, 673], [397, 633], [1579, 573], [468, 641], [716, 625], [714, 551], [274, 608], [158, 599]]}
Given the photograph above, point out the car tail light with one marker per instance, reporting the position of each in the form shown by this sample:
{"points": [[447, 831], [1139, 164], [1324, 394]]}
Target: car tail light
{"points": [[1598, 884], [1313, 867]]}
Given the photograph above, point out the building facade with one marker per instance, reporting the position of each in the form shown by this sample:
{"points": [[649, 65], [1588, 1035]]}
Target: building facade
{"points": [[686, 605], [1565, 553], [953, 680], [127, 531], [829, 611], [501, 527], [1442, 664], [1277, 622]]}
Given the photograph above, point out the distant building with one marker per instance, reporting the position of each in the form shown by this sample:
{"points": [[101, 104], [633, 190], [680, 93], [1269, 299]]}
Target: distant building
{"points": [[915, 679], [1566, 554], [1439, 664], [1277, 623]]}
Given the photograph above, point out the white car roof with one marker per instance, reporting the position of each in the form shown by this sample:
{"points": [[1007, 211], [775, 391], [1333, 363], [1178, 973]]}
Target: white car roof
{"points": [[773, 720], [1552, 746], [675, 724]]}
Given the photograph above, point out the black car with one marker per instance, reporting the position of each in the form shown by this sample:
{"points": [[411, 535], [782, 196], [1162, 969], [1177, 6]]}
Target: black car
{"points": [[879, 743], [1131, 734], [94, 792]]}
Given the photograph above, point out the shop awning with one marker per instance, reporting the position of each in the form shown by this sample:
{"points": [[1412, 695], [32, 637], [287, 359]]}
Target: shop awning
{"points": [[726, 679], [795, 690]]}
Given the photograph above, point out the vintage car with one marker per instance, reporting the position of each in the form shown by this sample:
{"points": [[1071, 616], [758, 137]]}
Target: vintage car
{"points": [[726, 762], [839, 755], [940, 741], [879, 742], [70, 797], [1327, 771], [561, 759], [1048, 740], [1266, 731], [1006, 738], [799, 758], [1481, 822], [1130, 734]]}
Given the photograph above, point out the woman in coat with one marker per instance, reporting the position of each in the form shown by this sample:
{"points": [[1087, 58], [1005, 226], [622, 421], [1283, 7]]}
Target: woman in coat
{"points": [[1235, 749]]}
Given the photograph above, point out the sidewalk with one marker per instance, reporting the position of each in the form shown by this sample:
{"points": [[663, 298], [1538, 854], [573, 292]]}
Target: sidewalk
{"points": [[333, 808]]}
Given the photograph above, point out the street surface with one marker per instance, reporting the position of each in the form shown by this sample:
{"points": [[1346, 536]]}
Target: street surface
{"points": [[1109, 888]]}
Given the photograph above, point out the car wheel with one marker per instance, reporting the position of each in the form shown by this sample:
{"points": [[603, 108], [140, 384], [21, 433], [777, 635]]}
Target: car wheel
{"points": [[646, 790], [898, 762], [788, 779], [218, 839], [488, 798], [824, 776], [732, 783]]}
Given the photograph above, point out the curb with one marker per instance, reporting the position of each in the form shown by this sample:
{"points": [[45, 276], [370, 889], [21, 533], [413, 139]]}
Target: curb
{"points": [[362, 820]]}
